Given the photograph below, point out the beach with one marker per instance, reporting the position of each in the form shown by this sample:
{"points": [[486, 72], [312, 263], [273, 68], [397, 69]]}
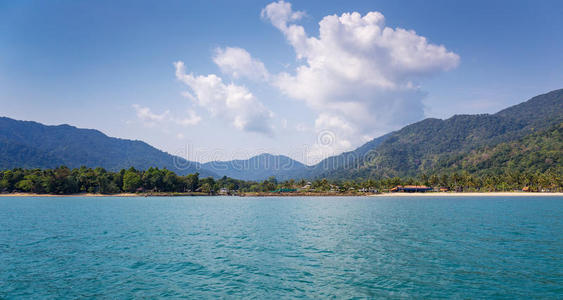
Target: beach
{"points": [[472, 194], [428, 194]]}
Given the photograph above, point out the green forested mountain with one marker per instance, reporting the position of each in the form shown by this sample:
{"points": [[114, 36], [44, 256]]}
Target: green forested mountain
{"points": [[429, 146], [345, 161], [432, 144], [538, 152], [539, 112], [25, 144], [525, 138]]}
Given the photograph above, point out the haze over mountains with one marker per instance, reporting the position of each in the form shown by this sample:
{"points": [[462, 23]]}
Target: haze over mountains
{"points": [[25, 144], [258, 167], [524, 136], [432, 145]]}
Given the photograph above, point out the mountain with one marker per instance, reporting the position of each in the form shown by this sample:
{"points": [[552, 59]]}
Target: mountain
{"points": [[259, 167], [521, 137], [25, 144], [265, 165], [428, 145], [538, 112], [346, 160], [537, 152]]}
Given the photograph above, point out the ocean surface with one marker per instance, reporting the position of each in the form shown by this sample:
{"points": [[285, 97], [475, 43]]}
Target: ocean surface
{"points": [[267, 248]]}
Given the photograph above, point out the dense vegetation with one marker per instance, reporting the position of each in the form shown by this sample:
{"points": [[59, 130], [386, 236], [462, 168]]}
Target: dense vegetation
{"points": [[525, 138], [31, 145], [63, 180], [538, 152], [432, 144]]}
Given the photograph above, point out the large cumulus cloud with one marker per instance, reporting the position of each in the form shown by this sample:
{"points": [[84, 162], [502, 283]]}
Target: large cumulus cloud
{"points": [[360, 76]]}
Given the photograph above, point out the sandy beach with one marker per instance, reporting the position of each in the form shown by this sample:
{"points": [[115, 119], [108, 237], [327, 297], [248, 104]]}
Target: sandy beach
{"points": [[431, 194], [72, 195], [475, 194]]}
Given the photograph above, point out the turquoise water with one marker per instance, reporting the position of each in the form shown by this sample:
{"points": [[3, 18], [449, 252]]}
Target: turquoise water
{"points": [[209, 247]]}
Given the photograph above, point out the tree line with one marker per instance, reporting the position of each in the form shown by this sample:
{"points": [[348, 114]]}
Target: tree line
{"points": [[63, 180]]}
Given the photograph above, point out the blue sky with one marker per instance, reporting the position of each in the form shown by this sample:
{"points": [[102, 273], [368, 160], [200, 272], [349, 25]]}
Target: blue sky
{"points": [[109, 65]]}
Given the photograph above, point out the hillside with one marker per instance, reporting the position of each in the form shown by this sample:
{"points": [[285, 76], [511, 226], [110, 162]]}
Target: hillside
{"points": [[259, 167], [476, 143], [422, 147], [263, 166], [535, 153], [25, 144], [343, 161]]}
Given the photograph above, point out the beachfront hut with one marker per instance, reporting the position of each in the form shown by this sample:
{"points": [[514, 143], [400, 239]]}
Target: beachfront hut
{"points": [[411, 189]]}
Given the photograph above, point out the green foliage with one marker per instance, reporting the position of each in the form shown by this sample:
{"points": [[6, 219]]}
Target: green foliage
{"points": [[131, 180], [521, 145], [192, 182], [63, 180], [538, 152], [475, 143], [33, 145]]}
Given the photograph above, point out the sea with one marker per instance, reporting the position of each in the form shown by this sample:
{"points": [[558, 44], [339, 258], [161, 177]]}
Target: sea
{"points": [[281, 247]]}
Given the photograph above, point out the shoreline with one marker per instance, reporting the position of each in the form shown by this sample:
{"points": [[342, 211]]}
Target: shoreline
{"points": [[429, 194], [104, 195], [471, 194]]}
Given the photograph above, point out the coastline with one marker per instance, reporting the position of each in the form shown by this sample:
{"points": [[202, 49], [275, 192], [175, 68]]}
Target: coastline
{"points": [[470, 194], [430, 194], [71, 195], [104, 195]]}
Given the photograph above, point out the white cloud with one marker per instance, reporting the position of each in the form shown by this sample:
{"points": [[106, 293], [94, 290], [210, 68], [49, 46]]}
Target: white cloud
{"points": [[148, 117], [145, 114], [279, 13], [358, 75], [226, 101], [237, 63], [191, 119], [151, 119]]}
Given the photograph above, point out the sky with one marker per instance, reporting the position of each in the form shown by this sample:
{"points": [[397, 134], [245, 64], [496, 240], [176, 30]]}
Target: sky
{"points": [[221, 80]]}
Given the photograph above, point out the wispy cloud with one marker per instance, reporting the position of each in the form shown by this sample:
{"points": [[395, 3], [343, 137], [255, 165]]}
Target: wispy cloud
{"points": [[237, 63], [150, 118]]}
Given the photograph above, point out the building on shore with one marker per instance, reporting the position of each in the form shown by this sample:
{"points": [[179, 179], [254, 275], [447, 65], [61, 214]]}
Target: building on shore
{"points": [[411, 189], [284, 190]]}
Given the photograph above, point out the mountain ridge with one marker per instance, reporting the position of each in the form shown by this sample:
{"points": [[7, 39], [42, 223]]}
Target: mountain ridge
{"points": [[417, 148], [30, 144], [258, 167]]}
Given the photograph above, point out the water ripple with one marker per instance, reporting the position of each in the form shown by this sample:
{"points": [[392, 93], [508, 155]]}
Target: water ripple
{"points": [[281, 247]]}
